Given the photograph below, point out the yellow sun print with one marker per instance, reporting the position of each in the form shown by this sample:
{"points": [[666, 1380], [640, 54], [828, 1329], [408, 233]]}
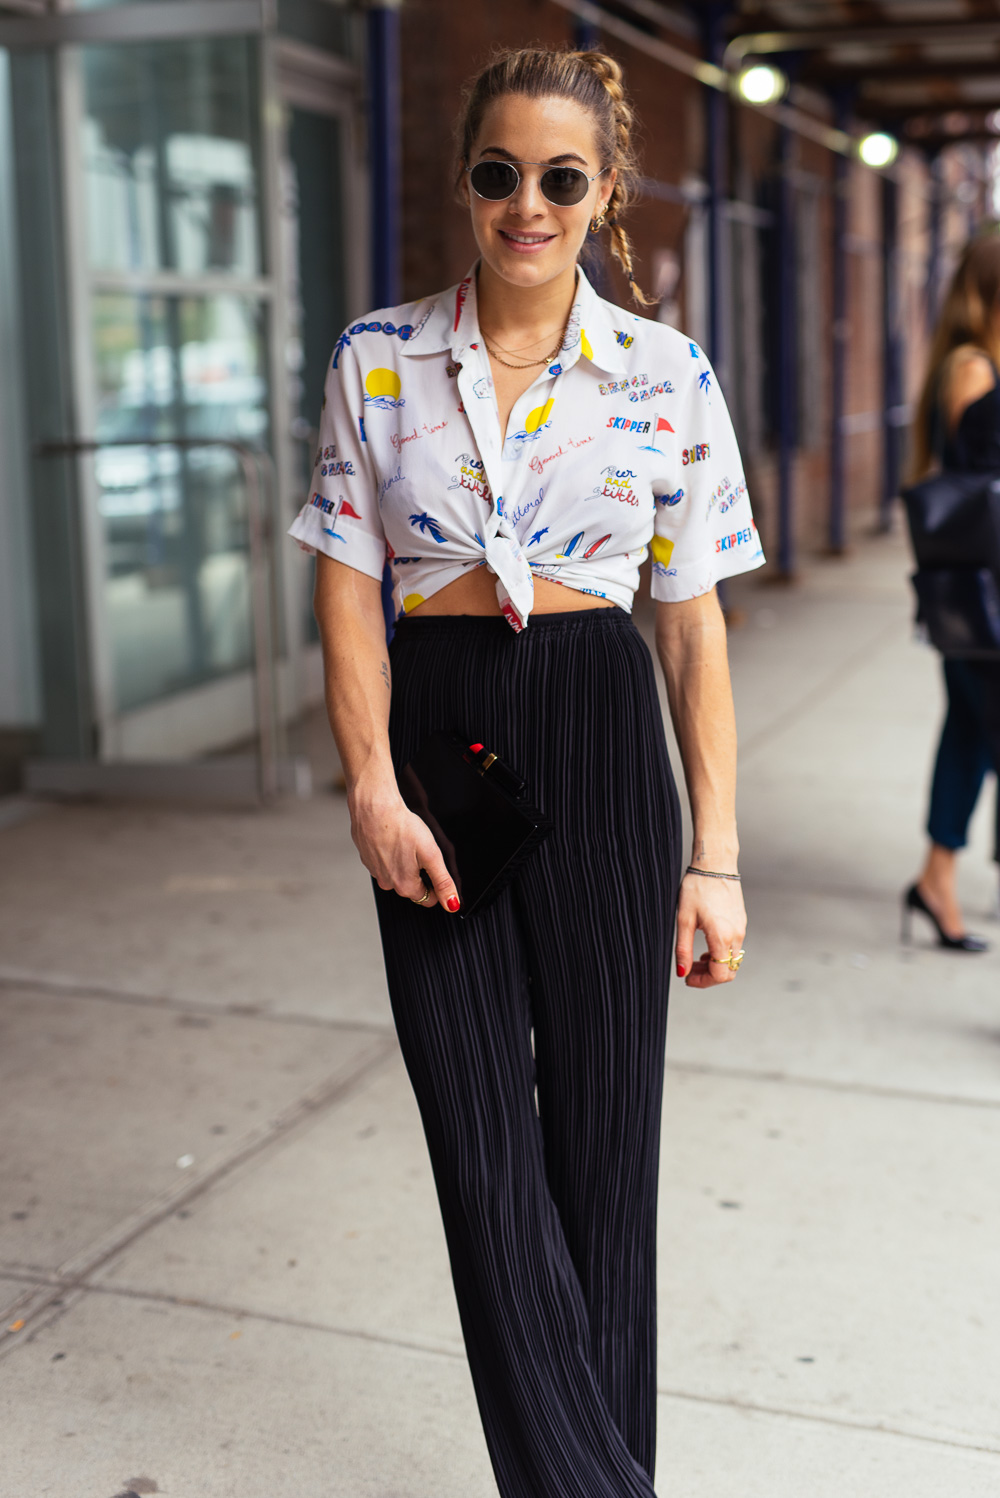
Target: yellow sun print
{"points": [[662, 550], [539, 416], [381, 383], [588, 352]]}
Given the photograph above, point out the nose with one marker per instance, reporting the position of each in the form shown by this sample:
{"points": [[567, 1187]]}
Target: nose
{"points": [[529, 200]]}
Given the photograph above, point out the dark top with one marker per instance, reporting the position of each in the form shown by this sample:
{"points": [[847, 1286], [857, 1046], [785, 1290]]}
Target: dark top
{"points": [[974, 445]]}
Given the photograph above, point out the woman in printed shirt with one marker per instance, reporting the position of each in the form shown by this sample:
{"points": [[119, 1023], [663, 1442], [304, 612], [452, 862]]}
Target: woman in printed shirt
{"points": [[513, 446]]}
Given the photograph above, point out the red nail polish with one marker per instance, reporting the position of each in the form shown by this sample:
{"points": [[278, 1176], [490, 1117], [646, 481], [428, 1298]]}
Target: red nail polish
{"points": [[453, 903], [681, 971]]}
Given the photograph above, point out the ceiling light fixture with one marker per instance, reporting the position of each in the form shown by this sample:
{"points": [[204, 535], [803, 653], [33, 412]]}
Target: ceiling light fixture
{"points": [[761, 84], [878, 149]]}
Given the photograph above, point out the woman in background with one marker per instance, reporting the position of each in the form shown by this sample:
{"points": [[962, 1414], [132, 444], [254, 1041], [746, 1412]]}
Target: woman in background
{"points": [[958, 428]]}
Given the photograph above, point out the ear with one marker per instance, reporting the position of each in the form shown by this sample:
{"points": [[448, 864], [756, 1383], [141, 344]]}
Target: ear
{"points": [[607, 188]]}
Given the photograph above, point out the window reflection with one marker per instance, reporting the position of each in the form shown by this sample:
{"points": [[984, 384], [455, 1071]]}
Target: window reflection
{"points": [[170, 158], [174, 519]]}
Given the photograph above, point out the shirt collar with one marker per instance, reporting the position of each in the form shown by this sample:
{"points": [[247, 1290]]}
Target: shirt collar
{"points": [[451, 323]]}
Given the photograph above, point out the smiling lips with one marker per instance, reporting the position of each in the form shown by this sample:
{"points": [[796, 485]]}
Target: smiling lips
{"points": [[525, 244]]}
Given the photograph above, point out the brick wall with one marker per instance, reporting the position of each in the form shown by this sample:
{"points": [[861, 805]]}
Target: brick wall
{"points": [[444, 42]]}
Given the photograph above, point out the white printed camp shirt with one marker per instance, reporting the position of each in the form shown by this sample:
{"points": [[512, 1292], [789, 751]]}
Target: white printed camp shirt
{"points": [[622, 444]]}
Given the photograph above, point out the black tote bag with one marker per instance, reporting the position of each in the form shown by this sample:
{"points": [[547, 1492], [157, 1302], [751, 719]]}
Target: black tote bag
{"points": [[954, 521]]}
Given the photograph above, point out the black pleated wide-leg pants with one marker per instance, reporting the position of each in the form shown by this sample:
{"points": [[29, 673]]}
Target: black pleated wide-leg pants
{"points": [[559, 987]]}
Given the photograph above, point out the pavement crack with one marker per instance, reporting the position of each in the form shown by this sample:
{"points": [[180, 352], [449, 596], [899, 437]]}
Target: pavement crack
{"points": [[831, 1084], [358, 1334], [70, 1276], [839, 1422], [457, 1353], [58, 985]]}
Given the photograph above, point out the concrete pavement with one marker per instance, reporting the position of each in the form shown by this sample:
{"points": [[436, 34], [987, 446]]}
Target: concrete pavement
{"points": [[217, 1221]]}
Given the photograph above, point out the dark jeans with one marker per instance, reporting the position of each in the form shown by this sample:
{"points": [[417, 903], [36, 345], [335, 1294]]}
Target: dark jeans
{"points": [[969, 748]]}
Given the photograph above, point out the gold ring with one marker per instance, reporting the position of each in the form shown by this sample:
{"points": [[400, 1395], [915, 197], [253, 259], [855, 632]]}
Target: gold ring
{"points": [[734, 959], [425, 896]]}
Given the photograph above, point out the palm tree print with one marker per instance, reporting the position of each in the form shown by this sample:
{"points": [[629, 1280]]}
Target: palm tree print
{"points": [[425, 523]]}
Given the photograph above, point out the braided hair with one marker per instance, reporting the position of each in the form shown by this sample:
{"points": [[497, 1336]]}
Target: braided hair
{"points": [[594, 80]]}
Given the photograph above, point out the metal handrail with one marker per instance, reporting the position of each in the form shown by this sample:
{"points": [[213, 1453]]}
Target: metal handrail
{"points": [[259, 482]]}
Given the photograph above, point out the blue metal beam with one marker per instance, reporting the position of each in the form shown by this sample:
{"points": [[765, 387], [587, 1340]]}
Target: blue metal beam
{"points": [[384, 88], [787, 347], [384, 150], [586, 35], [716, 106], [935, 217], [893, 414], [837, 532]]}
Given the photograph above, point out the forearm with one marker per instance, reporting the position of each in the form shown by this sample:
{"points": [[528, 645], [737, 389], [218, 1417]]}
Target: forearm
{"points": [[691, 644], [396, 847], [348, 609]]}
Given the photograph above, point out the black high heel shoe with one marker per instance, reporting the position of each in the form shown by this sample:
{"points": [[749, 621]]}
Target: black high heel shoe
{"points": [[914, 900]]}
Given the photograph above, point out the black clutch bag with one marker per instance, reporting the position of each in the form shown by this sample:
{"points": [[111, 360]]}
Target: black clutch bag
{"points": [[475, 805]]}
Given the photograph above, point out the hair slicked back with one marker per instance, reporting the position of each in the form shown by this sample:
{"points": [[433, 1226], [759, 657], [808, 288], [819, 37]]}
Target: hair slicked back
{"points": [[595, 82]]}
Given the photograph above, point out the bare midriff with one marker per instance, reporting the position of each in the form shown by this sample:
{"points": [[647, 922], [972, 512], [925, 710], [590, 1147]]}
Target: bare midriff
{"points": [[476, 593]]}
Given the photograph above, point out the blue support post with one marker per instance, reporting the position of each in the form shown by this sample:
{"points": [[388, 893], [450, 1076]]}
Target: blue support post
{"points": [[384, 149], [841, 204], [787, 347], [935, 214], [586, 36], [893, 414], [716, 105]]}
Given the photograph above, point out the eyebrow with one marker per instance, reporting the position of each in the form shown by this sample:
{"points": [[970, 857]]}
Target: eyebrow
{"points": [[552, 160]]}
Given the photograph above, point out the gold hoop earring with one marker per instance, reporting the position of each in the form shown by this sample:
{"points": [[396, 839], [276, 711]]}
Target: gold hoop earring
{"points": [[597, 222]]}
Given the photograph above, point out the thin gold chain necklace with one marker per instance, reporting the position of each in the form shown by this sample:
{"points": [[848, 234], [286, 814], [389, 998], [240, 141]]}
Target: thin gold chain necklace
{"points": [[528, 363]]}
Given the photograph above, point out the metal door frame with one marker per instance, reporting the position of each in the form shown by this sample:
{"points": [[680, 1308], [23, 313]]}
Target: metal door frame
{"points": [[287, 72]]}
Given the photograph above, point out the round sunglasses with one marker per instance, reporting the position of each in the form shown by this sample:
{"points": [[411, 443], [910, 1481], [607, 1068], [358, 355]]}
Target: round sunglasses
{"points": [[562, 186]]}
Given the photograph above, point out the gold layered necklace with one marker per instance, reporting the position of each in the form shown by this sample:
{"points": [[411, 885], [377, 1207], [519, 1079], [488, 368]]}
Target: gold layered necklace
{"points": [[527, 363]]}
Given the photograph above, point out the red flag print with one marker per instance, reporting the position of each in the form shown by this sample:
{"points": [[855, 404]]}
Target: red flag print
{"points": [[662, 425], [348, 509]]}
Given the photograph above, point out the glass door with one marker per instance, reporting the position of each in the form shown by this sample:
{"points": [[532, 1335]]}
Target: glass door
{"points": [[173, 301], [191, 214]]}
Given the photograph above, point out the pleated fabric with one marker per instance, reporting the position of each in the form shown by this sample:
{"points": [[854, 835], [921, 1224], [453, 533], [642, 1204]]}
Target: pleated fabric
{"points": [[534, 1038]]}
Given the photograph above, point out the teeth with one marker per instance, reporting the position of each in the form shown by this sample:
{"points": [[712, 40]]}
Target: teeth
{"points": [[527, 238]]}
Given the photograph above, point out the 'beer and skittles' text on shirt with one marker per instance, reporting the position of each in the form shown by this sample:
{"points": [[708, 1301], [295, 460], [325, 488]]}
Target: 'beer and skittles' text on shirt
{"points": [[622, 443]]}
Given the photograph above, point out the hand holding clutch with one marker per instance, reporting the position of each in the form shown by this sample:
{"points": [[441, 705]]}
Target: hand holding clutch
{"points": [[476, 808]]}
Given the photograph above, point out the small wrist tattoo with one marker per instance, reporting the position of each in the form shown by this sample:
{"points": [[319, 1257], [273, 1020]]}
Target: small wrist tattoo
{"points": [[385, 676]]}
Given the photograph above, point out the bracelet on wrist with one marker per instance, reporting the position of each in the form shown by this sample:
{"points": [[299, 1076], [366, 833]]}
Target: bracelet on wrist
{"points": [[711, 873]]}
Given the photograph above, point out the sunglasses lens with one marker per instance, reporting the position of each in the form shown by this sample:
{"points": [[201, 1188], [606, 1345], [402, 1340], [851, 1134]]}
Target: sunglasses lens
{"points": [[564, 185], [494, 180]]}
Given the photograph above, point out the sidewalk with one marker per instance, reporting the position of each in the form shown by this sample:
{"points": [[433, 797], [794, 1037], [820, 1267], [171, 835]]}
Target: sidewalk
{"points": [[217, 1221]]}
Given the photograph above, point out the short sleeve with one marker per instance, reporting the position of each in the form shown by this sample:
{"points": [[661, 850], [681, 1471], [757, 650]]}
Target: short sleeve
{"points": [[341, 516], [704, 529]]}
